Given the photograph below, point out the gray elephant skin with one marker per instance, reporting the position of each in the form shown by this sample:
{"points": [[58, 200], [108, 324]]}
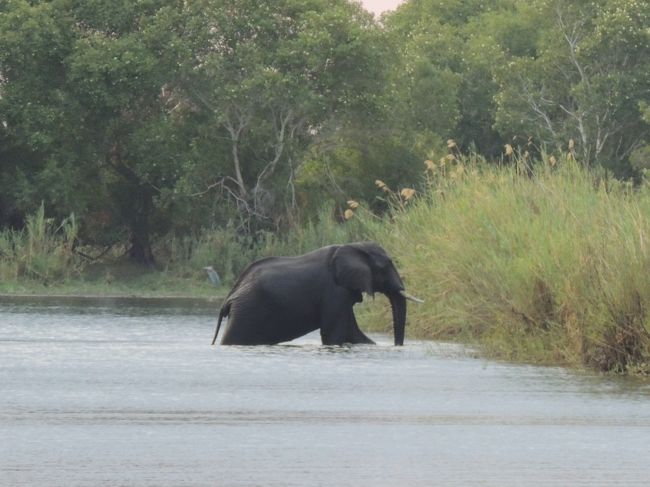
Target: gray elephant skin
{"points": [[277, 299]]}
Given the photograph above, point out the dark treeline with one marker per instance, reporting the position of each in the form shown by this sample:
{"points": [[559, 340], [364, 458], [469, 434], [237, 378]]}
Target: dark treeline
{"points": [[147, 118]]}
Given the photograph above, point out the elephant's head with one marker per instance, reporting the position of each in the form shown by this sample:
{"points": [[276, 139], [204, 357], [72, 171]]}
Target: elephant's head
{"points": [[366, 267]]}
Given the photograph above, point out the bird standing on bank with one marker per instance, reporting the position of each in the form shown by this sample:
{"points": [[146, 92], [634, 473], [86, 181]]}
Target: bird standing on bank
{"points": [[213, 276]]}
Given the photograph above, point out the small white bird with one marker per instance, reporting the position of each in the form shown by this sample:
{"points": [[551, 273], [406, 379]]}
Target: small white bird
{"points": [[213, 276]]}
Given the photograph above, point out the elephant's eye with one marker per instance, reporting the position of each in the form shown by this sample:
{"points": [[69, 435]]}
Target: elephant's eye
{"points": [[382, 263]]}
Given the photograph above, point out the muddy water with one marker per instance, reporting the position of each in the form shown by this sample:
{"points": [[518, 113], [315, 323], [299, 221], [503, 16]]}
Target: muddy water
{"points": [[131, 393]]}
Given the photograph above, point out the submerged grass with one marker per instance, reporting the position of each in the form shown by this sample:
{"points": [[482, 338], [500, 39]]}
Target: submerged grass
{"points": [[546, 265]]}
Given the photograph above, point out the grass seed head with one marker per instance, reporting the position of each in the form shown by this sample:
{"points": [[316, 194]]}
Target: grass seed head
{"points": [[407, 193]]}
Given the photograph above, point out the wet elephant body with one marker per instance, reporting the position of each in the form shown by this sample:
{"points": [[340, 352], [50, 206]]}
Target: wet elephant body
{"points": [[277, 299]]}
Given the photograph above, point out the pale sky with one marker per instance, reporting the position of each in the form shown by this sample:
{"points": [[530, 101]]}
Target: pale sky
{"points": [[379, 6]]}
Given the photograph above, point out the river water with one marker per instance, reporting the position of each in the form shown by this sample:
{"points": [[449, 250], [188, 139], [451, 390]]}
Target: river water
{"points": [[131, 393]]}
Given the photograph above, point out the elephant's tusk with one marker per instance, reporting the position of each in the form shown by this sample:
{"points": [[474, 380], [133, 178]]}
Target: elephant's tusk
{"points": [[409, 297]]}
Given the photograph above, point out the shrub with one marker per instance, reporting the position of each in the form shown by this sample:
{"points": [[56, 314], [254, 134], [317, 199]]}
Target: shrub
{"points": [[229, 253], [42, 250]]}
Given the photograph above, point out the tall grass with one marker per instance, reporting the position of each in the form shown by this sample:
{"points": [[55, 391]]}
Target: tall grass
{"points": [[229, 252], [41, 251], [547, 265]]}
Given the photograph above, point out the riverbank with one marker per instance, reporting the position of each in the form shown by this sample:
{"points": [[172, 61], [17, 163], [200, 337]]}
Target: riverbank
{"points": [[152, 287], [162, 303], [545, 265]]}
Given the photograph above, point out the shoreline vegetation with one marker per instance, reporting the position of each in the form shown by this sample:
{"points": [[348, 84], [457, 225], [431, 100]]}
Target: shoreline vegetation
{"points": [[542, 263], [141, 142]]}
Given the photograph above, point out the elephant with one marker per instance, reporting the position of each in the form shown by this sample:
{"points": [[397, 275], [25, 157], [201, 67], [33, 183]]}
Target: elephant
{"points": [[277, 299]]}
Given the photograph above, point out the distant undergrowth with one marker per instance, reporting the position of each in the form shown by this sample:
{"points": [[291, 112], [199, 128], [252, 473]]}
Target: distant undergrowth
{"points": [[547, 264], [229, 253], [42, 250], [45, 254]]}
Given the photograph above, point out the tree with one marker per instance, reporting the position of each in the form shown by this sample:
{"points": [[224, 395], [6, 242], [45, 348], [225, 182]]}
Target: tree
{"points": [[85, 106], [585, 82], [38, 162], [145, 117], [442, 75], [268, 80]]}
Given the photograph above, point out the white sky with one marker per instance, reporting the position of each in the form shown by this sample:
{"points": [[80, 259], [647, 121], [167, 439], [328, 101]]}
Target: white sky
{"points": [[379, 6]]}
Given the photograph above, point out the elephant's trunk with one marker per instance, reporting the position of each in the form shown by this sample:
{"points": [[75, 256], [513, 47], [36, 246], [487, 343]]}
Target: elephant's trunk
{"points": [[398, 305]]}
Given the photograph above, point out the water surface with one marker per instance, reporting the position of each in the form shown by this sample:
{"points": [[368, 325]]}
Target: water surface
{"points": [[131, 393]]}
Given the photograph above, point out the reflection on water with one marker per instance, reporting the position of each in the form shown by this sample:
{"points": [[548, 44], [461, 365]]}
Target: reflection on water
{"points": [[132, 394]]}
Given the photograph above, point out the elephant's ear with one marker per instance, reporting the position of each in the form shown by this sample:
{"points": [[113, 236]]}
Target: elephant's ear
{"points": [[352, 270]]}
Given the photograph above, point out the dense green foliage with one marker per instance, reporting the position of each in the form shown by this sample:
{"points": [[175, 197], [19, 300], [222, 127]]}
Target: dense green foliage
{"points": [[154, 118], [146, 118], [41, 250]]}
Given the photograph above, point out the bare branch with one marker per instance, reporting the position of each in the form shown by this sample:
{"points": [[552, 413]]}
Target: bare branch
{"points": [[208, 188], [290, 184], [537, 108], [269, 169], [572, 37], [235, 129]]}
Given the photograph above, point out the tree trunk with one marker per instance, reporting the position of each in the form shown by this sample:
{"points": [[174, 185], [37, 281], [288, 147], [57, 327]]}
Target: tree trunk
{"points": [[135, 199], [140, 248], [139, 223]]}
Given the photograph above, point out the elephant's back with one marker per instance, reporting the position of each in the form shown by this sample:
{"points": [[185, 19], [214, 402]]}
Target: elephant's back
{"points": [[283, 286], [290, 285]]}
